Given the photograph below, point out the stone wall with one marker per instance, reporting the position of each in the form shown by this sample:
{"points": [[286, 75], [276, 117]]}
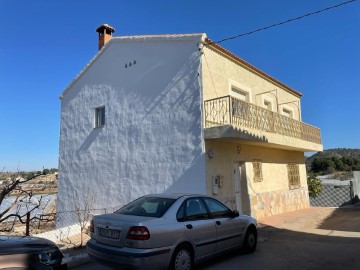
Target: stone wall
{"points": [[276, 202]]}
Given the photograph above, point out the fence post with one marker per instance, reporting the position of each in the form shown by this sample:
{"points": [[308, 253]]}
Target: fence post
{"points": [[351, 192], [27, 233], [230, 110]]}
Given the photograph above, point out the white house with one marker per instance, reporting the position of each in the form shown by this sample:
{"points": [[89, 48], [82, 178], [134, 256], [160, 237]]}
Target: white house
{"points": [[156, 113]]}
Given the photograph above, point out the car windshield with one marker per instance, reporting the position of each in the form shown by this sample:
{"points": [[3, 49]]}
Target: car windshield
{"points": [[147, 207]]}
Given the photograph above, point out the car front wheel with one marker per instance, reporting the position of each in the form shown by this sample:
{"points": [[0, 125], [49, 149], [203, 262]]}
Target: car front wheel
{"points": [[182, 259], [250, 240]]}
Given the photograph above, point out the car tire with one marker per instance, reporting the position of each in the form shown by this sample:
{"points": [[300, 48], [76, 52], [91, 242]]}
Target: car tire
{"points": [[182, 259], [250, 240]]}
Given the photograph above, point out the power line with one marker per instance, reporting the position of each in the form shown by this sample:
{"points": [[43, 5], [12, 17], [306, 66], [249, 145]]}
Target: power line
{"points": [[283, 22]]}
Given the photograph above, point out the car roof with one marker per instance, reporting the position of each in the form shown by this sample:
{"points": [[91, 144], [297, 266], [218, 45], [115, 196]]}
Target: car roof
{"points": [[175, 195]]}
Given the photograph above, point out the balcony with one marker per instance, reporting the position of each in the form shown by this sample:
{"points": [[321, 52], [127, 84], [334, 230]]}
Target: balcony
{"points": [[262, 124]]}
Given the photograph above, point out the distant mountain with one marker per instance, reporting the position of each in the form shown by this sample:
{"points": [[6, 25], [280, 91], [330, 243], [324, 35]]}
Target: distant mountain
{"points": [[336, 152]]}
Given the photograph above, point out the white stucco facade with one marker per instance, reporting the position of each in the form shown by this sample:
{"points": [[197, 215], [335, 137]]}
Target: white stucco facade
{"points": [[152, 140]]}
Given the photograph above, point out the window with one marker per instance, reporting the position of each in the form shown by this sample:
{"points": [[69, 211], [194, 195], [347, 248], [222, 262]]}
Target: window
{"points": [[192, 209], [240, 94], [100, 117], [216, 208], [268, 102], [293, 175], [288, 113], [239, 91], [147, 207], [257, 167], [268, 105], [180, 215]]}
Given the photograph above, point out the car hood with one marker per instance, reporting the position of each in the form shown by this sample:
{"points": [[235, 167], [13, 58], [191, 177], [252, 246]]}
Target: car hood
{"points": [[25, 244]]}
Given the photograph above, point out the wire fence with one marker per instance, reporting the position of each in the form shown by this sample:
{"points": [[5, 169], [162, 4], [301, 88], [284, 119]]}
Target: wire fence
{"points": [[334, 195], [68, 229]]}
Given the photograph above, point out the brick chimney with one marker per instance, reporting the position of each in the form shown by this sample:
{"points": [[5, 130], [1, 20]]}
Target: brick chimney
{"points": [[105, 32]]}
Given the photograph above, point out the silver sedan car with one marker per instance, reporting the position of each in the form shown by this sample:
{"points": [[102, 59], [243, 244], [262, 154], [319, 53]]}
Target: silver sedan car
{"points": [[169, 231]]}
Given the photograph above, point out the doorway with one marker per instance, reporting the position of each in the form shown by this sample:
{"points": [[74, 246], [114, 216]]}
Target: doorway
{"points": [[238, 170]]}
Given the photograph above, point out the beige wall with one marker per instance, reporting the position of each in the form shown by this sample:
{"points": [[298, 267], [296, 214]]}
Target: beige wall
{"points": [[272, 195], [219, 72]]}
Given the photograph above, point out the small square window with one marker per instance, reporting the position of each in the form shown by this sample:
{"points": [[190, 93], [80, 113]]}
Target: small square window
{"points": [[268, 105], [288, 113], [240, 94], [100, 117]]}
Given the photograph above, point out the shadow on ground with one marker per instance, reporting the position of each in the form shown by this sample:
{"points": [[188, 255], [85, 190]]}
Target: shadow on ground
{"points": [[343, 219], [286, 249]]}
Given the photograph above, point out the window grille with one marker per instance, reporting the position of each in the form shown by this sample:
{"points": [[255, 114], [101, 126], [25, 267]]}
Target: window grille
{"points": [[257, 166], [294, 176]]}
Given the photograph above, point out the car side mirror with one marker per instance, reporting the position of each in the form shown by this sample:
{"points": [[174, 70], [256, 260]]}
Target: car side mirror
{"points": [[234, 213]]}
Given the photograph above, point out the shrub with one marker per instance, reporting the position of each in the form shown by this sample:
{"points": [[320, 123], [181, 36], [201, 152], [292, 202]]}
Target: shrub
{"points": [[314, 186]]}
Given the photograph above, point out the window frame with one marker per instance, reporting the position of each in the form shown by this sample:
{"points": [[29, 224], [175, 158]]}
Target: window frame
{"points": [[133, 208], [289, 109], [183, 208], [100, 117], [240, 93], [214, 215], [269, 100], [235, 87]]}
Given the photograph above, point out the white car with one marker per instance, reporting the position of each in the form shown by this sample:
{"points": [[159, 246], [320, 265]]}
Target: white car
{"points": [[172, 231]]}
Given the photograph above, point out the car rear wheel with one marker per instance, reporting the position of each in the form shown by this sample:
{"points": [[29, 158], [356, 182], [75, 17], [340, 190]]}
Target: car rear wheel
{"points": [[182, 259], [250, 240]]}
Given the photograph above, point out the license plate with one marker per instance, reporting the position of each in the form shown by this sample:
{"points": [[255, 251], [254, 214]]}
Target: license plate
{"points": [[109, 233]]}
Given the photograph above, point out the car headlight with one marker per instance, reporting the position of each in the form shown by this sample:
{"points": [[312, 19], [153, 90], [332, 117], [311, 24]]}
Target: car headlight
{"points": [[50, 257]]}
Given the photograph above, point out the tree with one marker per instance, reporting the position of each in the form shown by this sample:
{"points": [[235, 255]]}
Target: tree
{"points": [[53, 170], [83, 211], [314, 186], [16, 187], [339, 165]]}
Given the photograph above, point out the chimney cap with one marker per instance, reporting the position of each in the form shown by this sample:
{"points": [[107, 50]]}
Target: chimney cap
{"points": [[106, 27]]}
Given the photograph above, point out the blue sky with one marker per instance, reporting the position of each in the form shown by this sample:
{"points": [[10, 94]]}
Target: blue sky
{"points": [[45, 43]]}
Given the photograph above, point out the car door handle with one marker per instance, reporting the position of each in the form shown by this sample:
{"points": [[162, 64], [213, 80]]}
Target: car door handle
{"points": [[218, 222], [189, 226]]}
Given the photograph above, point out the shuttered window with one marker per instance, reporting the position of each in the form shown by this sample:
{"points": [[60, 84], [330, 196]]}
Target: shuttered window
{"points": [[293, 175], [257, 167]]}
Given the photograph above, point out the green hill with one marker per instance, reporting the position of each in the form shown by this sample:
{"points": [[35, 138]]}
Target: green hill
{"points": [[336, 152], [332, 160]]}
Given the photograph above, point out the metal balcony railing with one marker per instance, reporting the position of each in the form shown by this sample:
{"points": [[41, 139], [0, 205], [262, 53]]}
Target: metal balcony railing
{"points": [[228, 110]]}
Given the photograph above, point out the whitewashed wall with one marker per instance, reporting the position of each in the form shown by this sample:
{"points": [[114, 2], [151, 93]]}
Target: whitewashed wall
{"points": [[152, 141]]}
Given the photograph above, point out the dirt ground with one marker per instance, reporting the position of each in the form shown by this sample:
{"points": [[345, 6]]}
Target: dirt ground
{"points": [[342, 222], [314, 238]]}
